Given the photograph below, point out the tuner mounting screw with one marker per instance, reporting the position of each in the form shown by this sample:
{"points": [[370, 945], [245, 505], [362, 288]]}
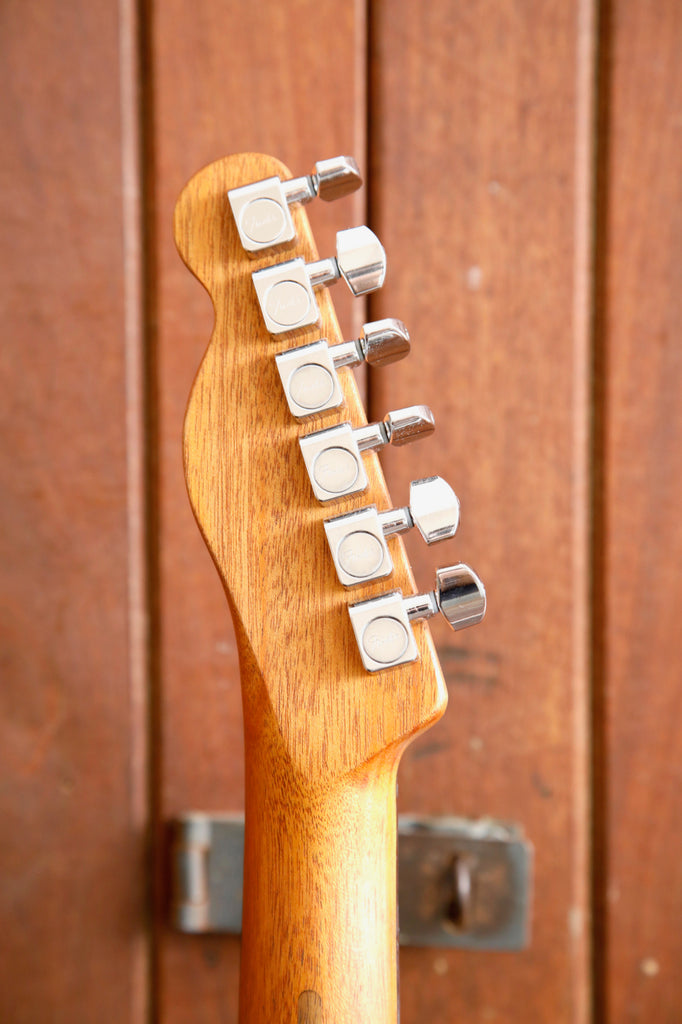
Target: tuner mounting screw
{"points": [[333, 456], [285, 291], [261, 209], [308, 373], [357, 539], [383, 628]]}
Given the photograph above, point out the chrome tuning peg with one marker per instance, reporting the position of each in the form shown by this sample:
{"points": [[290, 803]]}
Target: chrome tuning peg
{"points": [[357, 540], [308, 373], [332, 456], [261, 209], [383, 628], [285, 291]]}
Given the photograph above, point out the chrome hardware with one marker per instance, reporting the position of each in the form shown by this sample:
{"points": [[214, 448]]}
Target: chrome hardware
{"points": [[261, 209], [357, 539], [332, 456], [465, 884], [382, 624], [308, 373], [285, 290]]}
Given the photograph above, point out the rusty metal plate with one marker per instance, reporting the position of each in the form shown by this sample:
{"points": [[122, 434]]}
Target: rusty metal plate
{"points": [[461, 883]]}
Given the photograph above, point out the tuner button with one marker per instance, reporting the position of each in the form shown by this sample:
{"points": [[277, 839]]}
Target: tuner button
{"points": [[434, 508], [384, 342], [358, 546], [460, 596], [383, 632], [332, 459], [330, 470], [309, 372], [361, 259], [309, 378], [357, 539], [410, 424], [336, 178], [261, 209], [382, 624], [285, 291], [262, 215]]}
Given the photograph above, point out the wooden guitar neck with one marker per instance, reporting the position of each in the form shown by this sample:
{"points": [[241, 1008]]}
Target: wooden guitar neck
{"points": [[323, 735]]}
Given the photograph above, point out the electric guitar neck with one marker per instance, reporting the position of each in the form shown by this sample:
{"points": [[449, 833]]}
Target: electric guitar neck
{"points": [[338, 668]]}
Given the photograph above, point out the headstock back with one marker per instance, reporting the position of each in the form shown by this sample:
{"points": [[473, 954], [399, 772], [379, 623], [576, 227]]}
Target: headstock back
{"points": [[253, 502]]}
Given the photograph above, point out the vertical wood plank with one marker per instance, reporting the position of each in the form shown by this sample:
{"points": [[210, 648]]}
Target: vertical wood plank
{"points": [[640, 790], [286, 79], [73, 799], [481, 127]]}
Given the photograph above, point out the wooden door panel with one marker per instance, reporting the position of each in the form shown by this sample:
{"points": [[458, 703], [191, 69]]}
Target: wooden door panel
{"points": [[282, 79], [640, 526], [73, 746], [480, 191]]}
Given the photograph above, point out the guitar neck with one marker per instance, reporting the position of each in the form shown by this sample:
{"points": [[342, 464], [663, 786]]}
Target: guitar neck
{"points": [[319, 918], [334, 686]]}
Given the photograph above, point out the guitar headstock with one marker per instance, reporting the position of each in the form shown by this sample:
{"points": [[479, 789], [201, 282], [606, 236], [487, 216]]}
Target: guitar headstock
{"points": [[253, 497]]}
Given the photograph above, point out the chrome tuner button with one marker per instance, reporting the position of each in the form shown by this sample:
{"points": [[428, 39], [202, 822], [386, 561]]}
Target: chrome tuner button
{"points": [[383, 628], [285, 291], [333, 456], [357, 540], [261, 209], [309, 372]]}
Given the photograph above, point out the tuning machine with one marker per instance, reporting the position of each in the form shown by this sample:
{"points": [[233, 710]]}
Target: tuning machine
{"points": [[383, 628], [309, 378], [285, 290], [332, 456], [261, 209], [357, 540]]}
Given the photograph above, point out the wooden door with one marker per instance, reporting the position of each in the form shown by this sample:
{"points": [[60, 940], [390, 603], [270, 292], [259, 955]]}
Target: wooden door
{"points": [[522, 166]]}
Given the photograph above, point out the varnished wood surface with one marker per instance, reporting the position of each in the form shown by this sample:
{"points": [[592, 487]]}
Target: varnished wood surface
{"points": [[487, 224], [73, 872], [321, 734], [640, 783]]}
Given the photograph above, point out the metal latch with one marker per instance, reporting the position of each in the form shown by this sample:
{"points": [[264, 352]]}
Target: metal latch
{"points": [[461, 883]]}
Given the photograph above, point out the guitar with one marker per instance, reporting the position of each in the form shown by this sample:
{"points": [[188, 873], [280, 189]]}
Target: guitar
{"points": [[338, 669]]}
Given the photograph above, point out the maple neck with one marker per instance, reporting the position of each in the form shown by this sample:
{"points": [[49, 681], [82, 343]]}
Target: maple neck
{"points": [[319, 929], [323, 735]]}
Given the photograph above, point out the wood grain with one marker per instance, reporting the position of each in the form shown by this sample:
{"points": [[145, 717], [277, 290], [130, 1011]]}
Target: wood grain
{"points": [[73, 796], [322, 737], [486, 223], [640, 790], [223, 77]]}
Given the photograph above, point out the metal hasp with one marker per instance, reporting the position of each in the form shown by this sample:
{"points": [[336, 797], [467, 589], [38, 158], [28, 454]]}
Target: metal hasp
{"points": [[461, 884]]}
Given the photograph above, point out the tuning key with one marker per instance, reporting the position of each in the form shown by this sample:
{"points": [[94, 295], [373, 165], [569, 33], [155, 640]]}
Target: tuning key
{"points": [[357, 539], [309, 378], [285, 290], [261, 209], [383, 628], [332, 456]]}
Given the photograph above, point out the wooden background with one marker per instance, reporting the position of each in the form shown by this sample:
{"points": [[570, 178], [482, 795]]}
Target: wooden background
{"points": [[523, 171]]}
